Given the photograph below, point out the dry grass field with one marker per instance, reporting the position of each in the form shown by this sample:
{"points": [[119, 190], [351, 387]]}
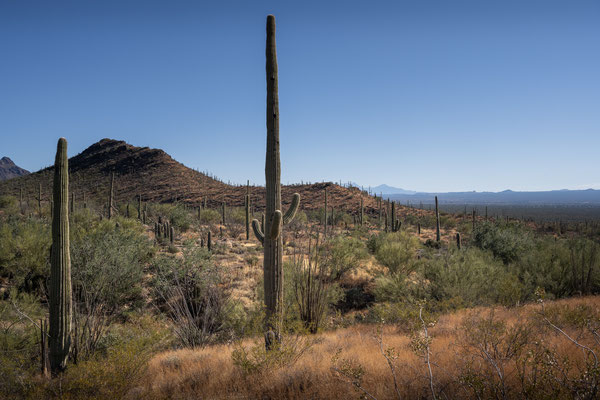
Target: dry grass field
{"points": [[474, 353]]}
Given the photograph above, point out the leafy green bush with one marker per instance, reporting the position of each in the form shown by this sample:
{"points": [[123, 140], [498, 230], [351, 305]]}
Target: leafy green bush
{"points": [[342, 255], [507, 241], [25, 253], [210, 216], [398, 252], [9, 204], [471, 277], [107, 275]]}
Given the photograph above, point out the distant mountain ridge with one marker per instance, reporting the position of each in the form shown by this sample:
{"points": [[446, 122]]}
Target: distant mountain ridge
{"points": [[157, 177], [562, 197], [8, 169], [385, 189]]}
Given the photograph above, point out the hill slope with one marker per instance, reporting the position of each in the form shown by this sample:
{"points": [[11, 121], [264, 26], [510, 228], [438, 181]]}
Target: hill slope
{"points": [[159, 178], [8, 169]]}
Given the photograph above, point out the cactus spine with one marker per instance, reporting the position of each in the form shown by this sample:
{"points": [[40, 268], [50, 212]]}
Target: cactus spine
{"points": [[437, 221], [60, 273], [270, 235]]}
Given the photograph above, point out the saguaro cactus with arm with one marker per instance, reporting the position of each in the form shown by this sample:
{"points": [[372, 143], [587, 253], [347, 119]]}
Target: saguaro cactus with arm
{"points": [[270, 236], [61, 305]]}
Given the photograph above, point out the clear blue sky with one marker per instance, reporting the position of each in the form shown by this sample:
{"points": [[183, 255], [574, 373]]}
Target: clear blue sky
{"points": [[425, 95]]}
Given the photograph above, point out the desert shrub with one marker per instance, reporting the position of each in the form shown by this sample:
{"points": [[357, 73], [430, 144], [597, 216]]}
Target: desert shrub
{"points": [[113, 374], [209, 216], [341, 255], [427, 221], [506, 241], [257, 360], [398, 252], [107, 274], [188, 290], [9, 204], [447, 221], [392, 288], [19, 348], [25, 253], [471, 275], [493, 346], [235, 215], [375, 241]]}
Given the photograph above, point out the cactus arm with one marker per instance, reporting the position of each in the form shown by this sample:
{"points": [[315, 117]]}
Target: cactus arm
{"points": [[257, 231], [291, 212], [276, 224]]}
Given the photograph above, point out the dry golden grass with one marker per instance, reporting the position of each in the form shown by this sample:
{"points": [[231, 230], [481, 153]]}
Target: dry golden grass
{"points": [[210, 372]]}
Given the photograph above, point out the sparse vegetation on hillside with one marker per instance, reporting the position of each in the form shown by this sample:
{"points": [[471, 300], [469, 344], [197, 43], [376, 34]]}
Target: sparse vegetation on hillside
{"points": [[155, 288]]}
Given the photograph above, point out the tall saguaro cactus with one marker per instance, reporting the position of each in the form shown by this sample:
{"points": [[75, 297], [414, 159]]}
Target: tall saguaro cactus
{"points": [[247, 209], [437, 221], [60, 273], [110, 196], [325, 220], [270, 235]]}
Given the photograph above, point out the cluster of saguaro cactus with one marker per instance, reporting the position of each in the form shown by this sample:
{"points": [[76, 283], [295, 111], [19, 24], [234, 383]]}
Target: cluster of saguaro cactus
{"points": [[270, 235], [61, 305], [395, 222], [437, 221], [164, 230]]}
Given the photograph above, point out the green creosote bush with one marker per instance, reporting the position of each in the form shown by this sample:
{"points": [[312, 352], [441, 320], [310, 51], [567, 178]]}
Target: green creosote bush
{"points": [[209, 216], [24, 254], [9, 204], [342, 255], [397, 252], [107, 277], [506, 241]]}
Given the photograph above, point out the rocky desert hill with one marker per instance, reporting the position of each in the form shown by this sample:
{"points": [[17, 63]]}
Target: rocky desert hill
{"points": [[157, 177], [8, 169]]}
